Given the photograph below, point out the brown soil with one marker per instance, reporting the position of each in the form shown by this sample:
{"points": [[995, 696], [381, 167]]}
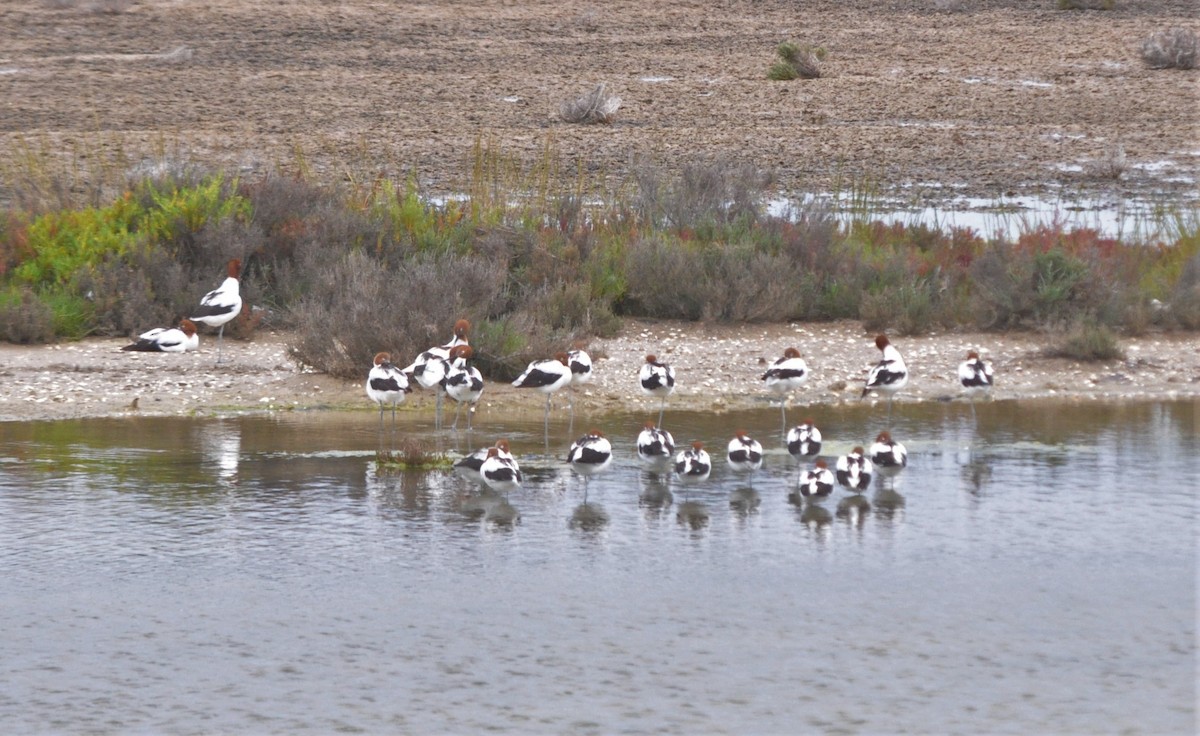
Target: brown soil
{"points": [[926, 97], [718, 368]]}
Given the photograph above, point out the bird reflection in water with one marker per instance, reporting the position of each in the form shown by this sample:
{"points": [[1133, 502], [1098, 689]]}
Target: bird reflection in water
{"points": [[744, 500], [589, 517], [221, 446], [693, 514]]}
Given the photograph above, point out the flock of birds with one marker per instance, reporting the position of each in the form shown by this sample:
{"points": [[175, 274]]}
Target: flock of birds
{"points": [[216, 308], [447, 368]]}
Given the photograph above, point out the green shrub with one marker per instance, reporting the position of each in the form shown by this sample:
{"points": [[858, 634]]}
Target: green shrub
{"points": [[1087, 340]]}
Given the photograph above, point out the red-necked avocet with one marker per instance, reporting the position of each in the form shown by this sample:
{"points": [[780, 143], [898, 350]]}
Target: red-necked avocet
{"points": [[500, 473], [386, 384], [888, 456], [471, 465], [804, 441], [889, 375], [589, 455], [693, 464], [546, 376], [975, 375], [167, 339], [744, 454], [222, 304], [429, 368], [655, 448], [785, 376], [658, 380], [464, 383], [817, 482], [854, 471]]}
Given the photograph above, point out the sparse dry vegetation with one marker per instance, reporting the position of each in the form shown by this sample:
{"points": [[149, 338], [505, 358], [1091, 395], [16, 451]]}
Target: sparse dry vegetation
{"points": [[796, 61], [1111, 165], [597, 106], [1174, 48]]}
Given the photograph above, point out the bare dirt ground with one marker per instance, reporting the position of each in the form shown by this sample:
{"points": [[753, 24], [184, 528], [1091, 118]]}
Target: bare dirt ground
{"points": [[718, 369], [930, 98], [924, 97]]}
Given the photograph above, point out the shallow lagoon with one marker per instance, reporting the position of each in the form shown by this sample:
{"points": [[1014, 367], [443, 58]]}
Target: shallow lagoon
{"points": [[260, 574]]}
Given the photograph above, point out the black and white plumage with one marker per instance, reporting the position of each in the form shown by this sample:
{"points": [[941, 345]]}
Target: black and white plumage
{"points": [[222, 304], [547, 376], [804, 441], [429, 369], [889, 375], [888, 456], [693, 464], [658, 380], [655, 448], [470, 467], [817, 482], [386, 384], [785, 376], [854, 471], [167, 339], [499, 472], [744, 453], [463, 383], [580, 364], [976, 377], [589, 455]]}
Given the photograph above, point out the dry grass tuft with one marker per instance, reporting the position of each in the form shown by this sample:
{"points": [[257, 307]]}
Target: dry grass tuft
{"points": [[1110, 166], [797, 61], [1170, 49], [597, 106]]}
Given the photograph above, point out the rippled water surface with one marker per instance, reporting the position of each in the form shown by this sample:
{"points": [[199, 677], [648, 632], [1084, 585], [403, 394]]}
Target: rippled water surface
{"points": [[1035, 573]]}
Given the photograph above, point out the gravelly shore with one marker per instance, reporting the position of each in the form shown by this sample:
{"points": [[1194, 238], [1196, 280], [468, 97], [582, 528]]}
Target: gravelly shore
{"points": [[718, 368]]}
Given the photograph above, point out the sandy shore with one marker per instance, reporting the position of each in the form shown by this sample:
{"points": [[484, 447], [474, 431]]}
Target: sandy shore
{"points": [[718, 368]]}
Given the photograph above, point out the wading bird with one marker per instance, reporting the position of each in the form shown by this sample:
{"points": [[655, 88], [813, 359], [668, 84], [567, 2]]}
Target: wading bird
{"points": [[889, 375], [167, 339], [589, 455], [854, 471], [693, 464], [430, 367], [546, 376], [744, 454], [500, 473], [888, 456], [657, 379], [785, 376], [463, 383], [817, 482], [975, 375], [386, 384], [222, 304], [655, 447]]}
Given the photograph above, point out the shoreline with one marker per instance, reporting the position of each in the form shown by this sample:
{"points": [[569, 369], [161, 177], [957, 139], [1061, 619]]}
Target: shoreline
{"points": [[718, 370]]}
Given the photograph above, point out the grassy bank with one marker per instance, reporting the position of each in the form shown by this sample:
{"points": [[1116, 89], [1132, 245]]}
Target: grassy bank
{"points": [[536, 261]]}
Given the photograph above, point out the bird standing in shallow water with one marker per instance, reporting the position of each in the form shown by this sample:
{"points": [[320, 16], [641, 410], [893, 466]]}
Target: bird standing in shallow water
{"points": [[430, 367], [655, 446], [167, 339], [546, 376], [657, 379], [222, 304], [589, 455], [817, 482], [693, 464], [854, 471], [501, 473], [471, 466], [975, 375], [785, 376], [386, 384], [888, 456], [463, 383], [744, 454], [889, 375], [804, 442]]}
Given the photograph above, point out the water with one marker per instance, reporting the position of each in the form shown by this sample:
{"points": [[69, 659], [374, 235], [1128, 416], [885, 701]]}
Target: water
{"points": [[260, 574]]}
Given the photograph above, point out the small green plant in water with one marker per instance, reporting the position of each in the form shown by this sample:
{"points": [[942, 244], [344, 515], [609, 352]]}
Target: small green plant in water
{"points": [[412, 454]]}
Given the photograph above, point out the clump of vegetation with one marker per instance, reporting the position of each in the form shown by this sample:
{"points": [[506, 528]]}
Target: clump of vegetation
{"points": [[1089, 341], [1111, 165], [1086, 4], [796, 61], [1174, 48], [597, 106], [412, 454]]}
